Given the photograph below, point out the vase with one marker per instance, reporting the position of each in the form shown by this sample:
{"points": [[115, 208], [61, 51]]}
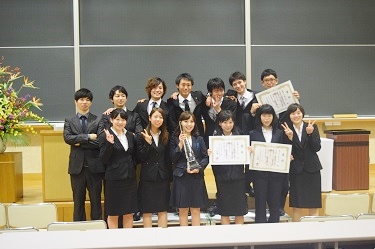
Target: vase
{"points": [[3, 145]]}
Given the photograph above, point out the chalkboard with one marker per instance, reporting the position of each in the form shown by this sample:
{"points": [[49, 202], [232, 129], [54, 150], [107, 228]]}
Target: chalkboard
{"points": [[325, 47]]}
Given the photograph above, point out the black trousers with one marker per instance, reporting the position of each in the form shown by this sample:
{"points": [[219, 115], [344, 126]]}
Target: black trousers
{"points": [[93, 183], [267, 190], [284, 191]]}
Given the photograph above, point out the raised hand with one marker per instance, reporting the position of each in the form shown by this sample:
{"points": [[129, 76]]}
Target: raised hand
{"points": [[146, 136], [310, 127], [110, 138], [288, 132]]}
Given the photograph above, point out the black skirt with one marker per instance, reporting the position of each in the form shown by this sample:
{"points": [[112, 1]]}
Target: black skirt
{"points": [[305, 190], [189, 190], [154, 196], [120, 197], [231, 198]]}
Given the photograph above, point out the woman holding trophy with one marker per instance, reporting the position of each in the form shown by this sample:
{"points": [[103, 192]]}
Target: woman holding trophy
{"points": [[189, 156]]}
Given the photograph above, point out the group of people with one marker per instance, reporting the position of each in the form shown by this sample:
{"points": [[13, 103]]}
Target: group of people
{"points": [[156, 138]]}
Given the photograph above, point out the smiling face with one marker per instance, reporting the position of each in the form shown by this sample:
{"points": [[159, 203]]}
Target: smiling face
{"points": [[188, 125], [83, 105], [119, 99], [239, 86], [217, 93], [118, 123], [269, 81], [156, 120], [227, 126], [296, 117], [157, 92], [184, 87]]}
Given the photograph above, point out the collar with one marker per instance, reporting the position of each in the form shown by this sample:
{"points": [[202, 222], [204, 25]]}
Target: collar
{"points": [[181, 99]]}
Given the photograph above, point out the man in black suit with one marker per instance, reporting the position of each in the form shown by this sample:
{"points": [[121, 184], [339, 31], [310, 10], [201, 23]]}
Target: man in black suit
{"points": [[156, 89], [118, 96], [85, 168], [215, 104], [186, 100]]}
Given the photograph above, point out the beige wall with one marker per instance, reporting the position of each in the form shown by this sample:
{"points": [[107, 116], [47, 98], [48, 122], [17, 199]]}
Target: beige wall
{"points": [[32, 159]]}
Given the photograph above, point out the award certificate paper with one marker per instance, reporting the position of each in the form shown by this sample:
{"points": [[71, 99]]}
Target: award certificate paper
{"points": [[279, 96], [270, 157], [229, 150]]}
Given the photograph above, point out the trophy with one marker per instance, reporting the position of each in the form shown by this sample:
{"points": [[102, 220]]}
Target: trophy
{"points": [[192, 162]]}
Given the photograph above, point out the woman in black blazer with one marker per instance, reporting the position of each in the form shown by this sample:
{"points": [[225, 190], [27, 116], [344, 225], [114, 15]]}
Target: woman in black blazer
{"points": [[117, 152], [304, 173], [189, 189], [230, 179], [156, 169], [267, 184]]}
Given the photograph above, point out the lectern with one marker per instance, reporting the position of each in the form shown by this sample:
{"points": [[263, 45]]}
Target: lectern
{"points": [[11, 178], [350, 159]]}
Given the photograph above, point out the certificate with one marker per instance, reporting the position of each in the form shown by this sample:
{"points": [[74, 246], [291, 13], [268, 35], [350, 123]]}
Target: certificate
{"points": [[270, 157], [279, 96], [229, 150]]}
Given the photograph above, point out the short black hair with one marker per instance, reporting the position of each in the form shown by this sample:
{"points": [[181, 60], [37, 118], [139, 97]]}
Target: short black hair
{"points": [[236, 76], [266, 109], [184, 76], [119, 111], [268, 72], [121, 89], [215, 83], [83, 93]]}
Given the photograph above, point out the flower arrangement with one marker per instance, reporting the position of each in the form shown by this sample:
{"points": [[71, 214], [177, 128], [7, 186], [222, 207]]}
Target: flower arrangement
{"points": [[15, 109]]}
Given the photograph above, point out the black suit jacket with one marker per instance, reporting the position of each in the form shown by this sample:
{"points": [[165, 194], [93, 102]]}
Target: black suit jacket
{"points": [[141, 109], [245, 121], [88, 150], [211, 124], [178, 156], [155, 163], [133, 123], [305, 152], [175, 111], [119, 163]]}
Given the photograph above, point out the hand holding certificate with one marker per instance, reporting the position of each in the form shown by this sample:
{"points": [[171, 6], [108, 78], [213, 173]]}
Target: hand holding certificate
{"points": [[279, 96], [270, 157], [229, 150]]}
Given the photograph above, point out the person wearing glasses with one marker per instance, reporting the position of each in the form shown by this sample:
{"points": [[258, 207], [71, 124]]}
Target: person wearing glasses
{"points": [[268, 80]]}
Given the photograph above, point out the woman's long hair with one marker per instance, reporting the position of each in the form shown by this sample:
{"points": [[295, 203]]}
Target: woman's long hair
{"points": [[164, 135]]}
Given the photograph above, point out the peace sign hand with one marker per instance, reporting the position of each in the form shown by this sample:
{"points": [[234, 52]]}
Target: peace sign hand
{"points": [[146, 136], [310, 127], [288, 132], [110, 138]]}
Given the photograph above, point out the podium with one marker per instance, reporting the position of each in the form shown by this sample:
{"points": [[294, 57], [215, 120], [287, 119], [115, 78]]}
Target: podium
{"points": [[11, 178], [350, 159]]}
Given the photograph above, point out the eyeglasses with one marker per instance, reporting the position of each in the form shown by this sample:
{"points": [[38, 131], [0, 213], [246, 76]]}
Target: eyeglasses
{"points": [[269, 80]]}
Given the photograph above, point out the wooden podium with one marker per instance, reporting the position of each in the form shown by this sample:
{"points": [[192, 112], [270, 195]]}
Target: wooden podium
{"points": [[350, 159], [11, 178]]}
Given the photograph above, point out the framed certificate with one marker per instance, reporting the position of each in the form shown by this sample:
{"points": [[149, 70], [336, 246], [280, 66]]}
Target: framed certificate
{"points": [[270, 157], [229, 150], [279, 96]]}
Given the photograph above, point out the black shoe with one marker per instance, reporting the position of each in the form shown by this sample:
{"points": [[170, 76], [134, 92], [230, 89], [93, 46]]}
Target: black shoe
{"points": [[282, 212], [137, 216], [250, 191], [213, 210]]}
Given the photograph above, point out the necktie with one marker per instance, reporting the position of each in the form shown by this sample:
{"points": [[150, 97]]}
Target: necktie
{"points": [[83, 123], [186, 102], [153, 105], [243, 102]]}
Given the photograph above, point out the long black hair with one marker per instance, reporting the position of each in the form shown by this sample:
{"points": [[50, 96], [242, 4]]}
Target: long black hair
{"points": [[225, 115]]}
